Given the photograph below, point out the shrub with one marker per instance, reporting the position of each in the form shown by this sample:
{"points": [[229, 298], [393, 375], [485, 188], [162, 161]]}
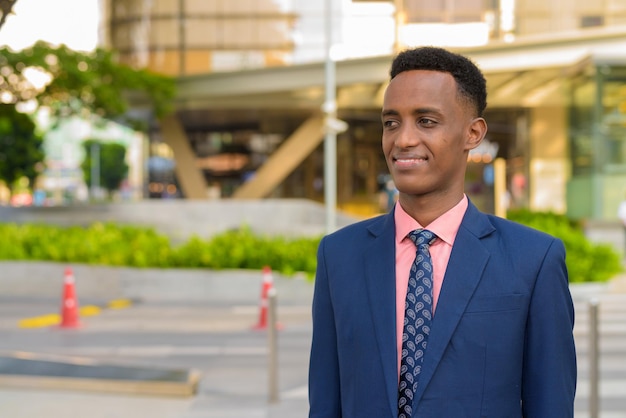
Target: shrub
{"points": [[241, 248], [115, 245], [109, 244], [585, 260]]}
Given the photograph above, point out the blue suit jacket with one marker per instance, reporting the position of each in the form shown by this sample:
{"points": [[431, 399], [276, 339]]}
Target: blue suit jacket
{"points": [[501, 342]]}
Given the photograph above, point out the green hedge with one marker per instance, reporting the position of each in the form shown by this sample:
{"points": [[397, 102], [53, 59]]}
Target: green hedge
{"points": [[243, 249], [586, 261], [115, 245]]}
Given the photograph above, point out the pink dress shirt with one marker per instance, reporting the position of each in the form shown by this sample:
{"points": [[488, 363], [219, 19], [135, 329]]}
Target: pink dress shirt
{"points": [[446, 227]]}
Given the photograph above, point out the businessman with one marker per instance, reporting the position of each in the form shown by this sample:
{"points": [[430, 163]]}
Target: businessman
{"points": [[436, 310]]}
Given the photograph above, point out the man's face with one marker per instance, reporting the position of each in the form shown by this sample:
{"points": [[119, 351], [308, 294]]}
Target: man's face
{"points": [[428, 129]]}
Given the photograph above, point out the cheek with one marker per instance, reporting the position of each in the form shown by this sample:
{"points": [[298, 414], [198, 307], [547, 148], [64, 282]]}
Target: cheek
{"points": [[386, 145]]}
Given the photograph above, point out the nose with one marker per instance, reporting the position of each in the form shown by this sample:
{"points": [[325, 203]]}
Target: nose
{"points": [[407, 136]]}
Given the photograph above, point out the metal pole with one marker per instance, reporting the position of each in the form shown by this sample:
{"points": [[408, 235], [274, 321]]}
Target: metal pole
{"points": [[272, 334], [95, 169], [182, 45], [399, 18], [594, 372], [330, 142], [499, 189]]}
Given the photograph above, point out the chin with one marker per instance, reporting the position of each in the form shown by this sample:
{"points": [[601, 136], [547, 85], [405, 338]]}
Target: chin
{"points": [[412, 191]]}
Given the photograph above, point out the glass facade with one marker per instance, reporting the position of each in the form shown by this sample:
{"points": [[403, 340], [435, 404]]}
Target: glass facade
{"points": [[597, 141], [583, 96], [182, 37], [576, 129], [448, 11], [540, 16]]}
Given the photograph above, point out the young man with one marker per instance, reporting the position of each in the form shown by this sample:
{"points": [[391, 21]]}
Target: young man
{"points": [[476, 321]]}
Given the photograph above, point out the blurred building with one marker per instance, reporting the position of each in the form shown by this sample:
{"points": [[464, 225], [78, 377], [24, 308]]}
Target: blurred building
{"points": [[250, 73]]}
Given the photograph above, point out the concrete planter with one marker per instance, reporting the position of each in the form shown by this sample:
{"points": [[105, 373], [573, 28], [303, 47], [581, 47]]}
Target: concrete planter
{"points": [[45, 279]]}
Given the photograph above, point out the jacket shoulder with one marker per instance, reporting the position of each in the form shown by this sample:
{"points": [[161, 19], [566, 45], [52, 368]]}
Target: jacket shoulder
{"points": [[361, 228], [519, 230]]}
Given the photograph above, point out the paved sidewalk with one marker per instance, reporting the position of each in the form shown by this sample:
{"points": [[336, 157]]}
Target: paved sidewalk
{"points": [[233, 359], [611, 299], [216, 338]]}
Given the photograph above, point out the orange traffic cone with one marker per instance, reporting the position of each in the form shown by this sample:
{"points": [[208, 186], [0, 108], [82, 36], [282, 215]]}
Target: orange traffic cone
{"points": [[268, 283], [69, 308]]}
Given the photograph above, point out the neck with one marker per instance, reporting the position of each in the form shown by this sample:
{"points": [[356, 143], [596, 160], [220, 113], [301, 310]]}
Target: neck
{"points": [[425, 209]]}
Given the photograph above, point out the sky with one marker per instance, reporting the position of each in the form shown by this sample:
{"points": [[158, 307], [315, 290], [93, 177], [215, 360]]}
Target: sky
{"points": [[72, 22]]}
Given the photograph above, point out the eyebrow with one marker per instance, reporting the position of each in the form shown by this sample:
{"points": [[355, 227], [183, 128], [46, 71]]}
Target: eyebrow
{"points": [[418, 111], [389, 112]]}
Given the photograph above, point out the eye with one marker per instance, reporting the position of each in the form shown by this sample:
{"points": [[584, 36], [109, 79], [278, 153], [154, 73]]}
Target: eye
{"points": [[390, 124], [426, 122]]}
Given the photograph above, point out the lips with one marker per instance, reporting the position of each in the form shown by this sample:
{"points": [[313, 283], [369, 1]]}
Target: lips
{"points": [[409, 161]]}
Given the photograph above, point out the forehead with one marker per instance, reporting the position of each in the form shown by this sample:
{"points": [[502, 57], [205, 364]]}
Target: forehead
{"points": [[421, 85]]}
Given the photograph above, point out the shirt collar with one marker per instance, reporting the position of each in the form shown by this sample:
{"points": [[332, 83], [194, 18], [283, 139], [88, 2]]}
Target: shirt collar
{"points": [[446, 226]]}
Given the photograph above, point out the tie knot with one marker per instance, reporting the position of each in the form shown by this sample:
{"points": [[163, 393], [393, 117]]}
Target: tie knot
{"points": [[421, 237]]}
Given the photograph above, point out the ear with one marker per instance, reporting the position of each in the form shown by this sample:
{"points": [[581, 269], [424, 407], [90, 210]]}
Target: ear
{"points": [[476, 131]]}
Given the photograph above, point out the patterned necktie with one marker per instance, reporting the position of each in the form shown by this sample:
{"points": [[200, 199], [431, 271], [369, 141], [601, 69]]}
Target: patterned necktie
{"points": [[417, 319]]}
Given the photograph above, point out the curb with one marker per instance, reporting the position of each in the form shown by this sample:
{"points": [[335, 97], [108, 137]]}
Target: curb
{"points": [[34, 371], [45, 279], [49, 320]]}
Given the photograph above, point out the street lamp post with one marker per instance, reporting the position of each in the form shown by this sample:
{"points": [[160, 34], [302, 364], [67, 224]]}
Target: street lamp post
{"points": [[330, 141]]}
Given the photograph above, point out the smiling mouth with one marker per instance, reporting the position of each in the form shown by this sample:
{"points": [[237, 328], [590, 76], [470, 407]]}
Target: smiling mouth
{"points": [[408, 162]]}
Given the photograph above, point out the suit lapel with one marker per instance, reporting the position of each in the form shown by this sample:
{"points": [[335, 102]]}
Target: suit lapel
{"points": [[379, 262], [464, 272]]}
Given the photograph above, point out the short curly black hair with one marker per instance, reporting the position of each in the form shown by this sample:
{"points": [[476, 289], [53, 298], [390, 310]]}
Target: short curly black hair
{"points": [[469, 79]]}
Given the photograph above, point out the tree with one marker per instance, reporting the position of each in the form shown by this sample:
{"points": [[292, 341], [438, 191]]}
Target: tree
{"points": [[85, 84], [6, 8], [112, 167], [90, 85], [21, 151]]}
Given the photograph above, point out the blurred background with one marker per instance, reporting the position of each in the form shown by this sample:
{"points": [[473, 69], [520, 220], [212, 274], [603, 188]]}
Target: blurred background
{"points": [[224, 119], [249, 82]]}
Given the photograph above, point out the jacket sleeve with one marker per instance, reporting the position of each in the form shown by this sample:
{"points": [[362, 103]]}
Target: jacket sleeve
{"points": [[549, 371], [324, 385]]}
